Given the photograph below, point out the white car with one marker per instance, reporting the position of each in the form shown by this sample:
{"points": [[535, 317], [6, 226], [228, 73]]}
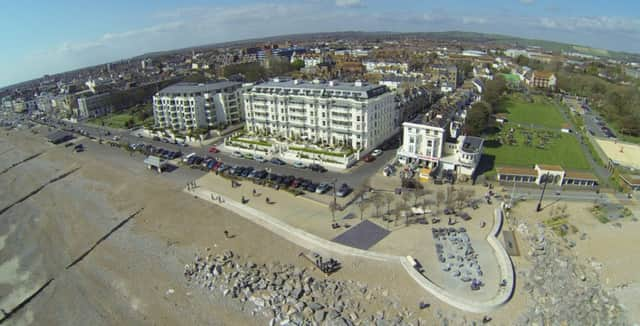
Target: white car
{"points": [[236, 154], [260, 158], [376, 152], [299, 165]]}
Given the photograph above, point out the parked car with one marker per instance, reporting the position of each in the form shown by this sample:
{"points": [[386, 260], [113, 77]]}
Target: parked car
{"points": [[322, 188], [213, 149], [311, 187], [277, 161], [369, 158], [248, 156], [317, 168], [186, 158], [236, 154], [299, 165], [343, 190], [223, 167], [260, 158], [376, 152]]}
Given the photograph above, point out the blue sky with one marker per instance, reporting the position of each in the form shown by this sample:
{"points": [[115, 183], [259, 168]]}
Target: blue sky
{"points": [[40, 37]]}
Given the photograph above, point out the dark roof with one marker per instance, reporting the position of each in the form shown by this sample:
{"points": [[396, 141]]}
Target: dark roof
{"points": [[187, 88], [472, 144], [59, 136]]}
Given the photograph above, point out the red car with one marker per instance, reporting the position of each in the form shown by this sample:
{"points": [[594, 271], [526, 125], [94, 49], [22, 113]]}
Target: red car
{"points": [[369, 158], [213, 149]]}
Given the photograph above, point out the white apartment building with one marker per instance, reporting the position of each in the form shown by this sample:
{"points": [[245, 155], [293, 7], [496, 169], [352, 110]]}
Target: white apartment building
{"points": [[386, 67], [336, 113], [434, 140], [189, 105]]}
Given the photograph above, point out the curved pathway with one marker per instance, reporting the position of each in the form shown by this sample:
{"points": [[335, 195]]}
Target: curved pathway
{"points": [[312, 242]]}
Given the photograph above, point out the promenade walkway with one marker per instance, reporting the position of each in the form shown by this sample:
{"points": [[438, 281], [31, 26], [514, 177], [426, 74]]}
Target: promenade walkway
{"points": [[314, 243]]}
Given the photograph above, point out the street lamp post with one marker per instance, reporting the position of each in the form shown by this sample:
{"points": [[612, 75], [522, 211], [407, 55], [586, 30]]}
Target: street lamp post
{"points": [[545, 180]]}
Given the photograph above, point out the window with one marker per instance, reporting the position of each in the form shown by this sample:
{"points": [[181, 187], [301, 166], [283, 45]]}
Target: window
{"points": [[357, 118]]}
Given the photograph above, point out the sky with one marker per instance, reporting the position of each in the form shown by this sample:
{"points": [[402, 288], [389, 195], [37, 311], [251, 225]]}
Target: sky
{"points": [[40, 37]]}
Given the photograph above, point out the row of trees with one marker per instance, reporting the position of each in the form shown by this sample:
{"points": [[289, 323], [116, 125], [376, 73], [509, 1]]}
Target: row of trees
{"points": [[618, 103], [386, 203]]}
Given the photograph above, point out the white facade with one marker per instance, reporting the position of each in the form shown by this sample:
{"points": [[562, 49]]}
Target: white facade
{"points": [[188, 105], [356, 115], [386, 67], [435, 141]]}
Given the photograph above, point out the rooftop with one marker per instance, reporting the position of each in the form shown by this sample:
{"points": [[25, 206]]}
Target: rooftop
{"points": [[631, 179], [517, 171], [320, 87], [580, 175], [184, 87], [549, 167], [471, 144]]}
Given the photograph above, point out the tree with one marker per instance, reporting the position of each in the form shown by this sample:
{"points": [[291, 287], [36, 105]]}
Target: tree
{"points": [[387, 198], [377, 203], [439, 198], [493, 91], [478, 118], [333, 207], [363, 204], [400, 208], [297, 64]]}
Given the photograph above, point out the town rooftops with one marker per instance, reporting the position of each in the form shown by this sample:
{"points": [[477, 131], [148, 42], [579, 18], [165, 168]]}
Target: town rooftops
{"points": [[319, 88], [579, 175], [190, 88], [516, 171]]}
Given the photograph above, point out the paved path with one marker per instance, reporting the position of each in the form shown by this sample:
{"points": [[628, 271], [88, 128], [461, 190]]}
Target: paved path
{"points": [[313, 243]]}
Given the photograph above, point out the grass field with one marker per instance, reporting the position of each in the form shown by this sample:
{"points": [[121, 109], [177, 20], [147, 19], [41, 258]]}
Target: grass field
{"points": [[540, 113], [118, 120], [544, 147]]}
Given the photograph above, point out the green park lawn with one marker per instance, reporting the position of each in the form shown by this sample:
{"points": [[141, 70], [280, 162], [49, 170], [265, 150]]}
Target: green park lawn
{"points": [[540, 113], [545, 147], [118, 120]]}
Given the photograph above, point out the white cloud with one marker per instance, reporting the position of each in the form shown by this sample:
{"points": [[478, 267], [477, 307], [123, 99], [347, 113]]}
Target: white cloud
{"points": [[594, 24], [348, 3]]}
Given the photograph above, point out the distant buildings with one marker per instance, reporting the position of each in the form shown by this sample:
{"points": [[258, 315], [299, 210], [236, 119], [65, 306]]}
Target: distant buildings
{"points": [[357, 115], [186, 106], [543, 79], [445, 75]]}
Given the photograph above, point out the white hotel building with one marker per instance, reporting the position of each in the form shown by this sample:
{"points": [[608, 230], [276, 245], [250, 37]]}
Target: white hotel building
{"points": [[434, 140], [336, 113], [190, 105]]}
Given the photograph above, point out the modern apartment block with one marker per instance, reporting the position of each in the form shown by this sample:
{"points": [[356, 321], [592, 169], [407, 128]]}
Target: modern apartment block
{"points": [[92, 106], [357, 115], [434, 140], [186, 106]]}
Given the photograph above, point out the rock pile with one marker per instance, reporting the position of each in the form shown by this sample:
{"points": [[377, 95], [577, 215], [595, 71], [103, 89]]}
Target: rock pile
{"points": [[289, 295], [563, 291]]}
